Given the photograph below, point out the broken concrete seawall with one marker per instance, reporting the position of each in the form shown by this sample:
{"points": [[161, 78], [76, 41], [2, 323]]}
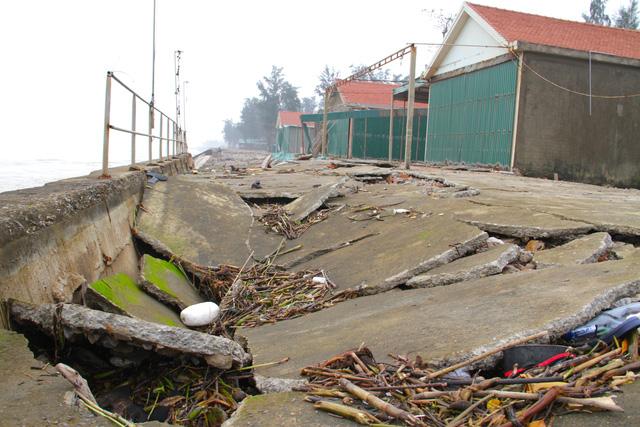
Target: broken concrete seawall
{"points": [[57, 237]]}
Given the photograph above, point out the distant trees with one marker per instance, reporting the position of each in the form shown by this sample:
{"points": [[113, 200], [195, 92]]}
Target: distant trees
{"points": [[309, 104], [440, 19], [626, 17], [597, 14], [259, 113]]}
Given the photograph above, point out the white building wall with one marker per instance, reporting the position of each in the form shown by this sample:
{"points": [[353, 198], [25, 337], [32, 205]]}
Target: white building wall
{"points": [[460, 56]]}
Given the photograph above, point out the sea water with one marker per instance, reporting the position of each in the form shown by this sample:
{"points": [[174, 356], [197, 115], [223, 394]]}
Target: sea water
{"points": [[27, 173]]}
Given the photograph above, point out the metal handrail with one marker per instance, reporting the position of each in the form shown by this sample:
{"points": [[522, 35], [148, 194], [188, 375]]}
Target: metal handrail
{"points": [[179, 138]]}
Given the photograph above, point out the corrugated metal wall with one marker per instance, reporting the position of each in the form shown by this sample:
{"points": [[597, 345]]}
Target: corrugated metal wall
{"points": [[471, 116], [370, 136]]}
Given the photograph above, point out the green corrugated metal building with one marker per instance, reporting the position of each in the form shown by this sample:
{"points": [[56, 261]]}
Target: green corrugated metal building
{"points": [[513, 89]]}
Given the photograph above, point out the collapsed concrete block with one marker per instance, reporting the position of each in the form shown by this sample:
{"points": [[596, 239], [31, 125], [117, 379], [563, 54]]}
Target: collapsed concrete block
{"points": [[308, 203], [121, 295], [108, 330], [167, 283], [585, 250], [482, 264], [447, 323]]}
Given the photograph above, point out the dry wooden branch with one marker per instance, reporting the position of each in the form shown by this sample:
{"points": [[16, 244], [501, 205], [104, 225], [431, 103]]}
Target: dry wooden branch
{"points": [[380, 404], [79, 383], [486, 354]]}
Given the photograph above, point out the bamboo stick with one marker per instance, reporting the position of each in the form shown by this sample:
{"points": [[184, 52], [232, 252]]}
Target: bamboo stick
{"points": [[605, 403], [547, 399], [380, 404], [486, 354], [358, 415]]}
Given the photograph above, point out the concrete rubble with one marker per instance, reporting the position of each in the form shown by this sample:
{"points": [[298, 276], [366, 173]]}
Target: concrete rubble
{"points": [[167, 283], [585, 250], [416, 257], [447, 323], [482, 264], [119, 294], [109, 330]]}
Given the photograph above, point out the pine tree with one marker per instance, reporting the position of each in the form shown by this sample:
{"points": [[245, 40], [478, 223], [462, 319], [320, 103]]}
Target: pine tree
{"points": [[597, 13], [627, 17]]}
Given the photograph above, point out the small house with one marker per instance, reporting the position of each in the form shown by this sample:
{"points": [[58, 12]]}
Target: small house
{"points": [[542, 95]]}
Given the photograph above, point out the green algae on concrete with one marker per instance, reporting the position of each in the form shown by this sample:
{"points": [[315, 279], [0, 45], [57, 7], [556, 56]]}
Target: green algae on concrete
{"points": [[196, 220], [166, 282], [120, 294], [446, 323], [281, 409]]}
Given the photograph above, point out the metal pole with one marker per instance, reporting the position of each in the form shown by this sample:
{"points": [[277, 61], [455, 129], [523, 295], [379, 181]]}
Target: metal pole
{"points": [[160, 140], [589, 82], [325, 111], [391, 129], [168, 137], [412, 94], [173, 143], [107, 122], [184, 105], [151, 120], [153, 65], [133, 128]]}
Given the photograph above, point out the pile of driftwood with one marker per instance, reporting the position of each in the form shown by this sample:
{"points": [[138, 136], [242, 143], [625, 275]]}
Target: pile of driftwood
{"points": [[354, 386], [266, 293], [276, 219]]}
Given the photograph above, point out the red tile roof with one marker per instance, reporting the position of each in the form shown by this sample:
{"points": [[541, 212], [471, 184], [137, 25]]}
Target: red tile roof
{"points": [[289, 118], [371, 94], [555, 32]]}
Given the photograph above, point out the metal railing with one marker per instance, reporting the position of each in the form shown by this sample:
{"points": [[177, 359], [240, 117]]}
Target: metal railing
{"points": [[176, 137]]}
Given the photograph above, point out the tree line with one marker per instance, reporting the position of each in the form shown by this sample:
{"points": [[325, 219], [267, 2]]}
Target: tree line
{"points": [[275, 93], [624, 17]]}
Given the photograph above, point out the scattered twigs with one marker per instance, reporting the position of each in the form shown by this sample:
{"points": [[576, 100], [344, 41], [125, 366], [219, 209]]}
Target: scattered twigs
{"points": [[463, 415], [79, 384], [378, 403], [401, 391], [540, 405], [484, 355], [277, 219], [360, 416]]}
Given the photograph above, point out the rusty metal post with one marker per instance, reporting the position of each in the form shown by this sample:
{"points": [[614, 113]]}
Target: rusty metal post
{"points": [[107, 123], [412, 94], [133, 129], [391, 128]]}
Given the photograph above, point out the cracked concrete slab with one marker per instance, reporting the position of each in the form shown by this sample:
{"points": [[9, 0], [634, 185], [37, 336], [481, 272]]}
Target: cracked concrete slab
{"points": [[447, 323], [585, 250], [167, 283], [624, 250], [196, 220], [33, 393], [395, 250], [281, 409], [487, 263], [306, 204], [519, 222]]}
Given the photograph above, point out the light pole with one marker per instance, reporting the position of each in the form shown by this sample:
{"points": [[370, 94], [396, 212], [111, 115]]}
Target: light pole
{"points": [[153, 85], [184, 105]]}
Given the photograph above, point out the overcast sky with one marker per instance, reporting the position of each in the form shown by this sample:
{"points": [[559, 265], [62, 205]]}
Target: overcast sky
{"points": [[56, 53]]}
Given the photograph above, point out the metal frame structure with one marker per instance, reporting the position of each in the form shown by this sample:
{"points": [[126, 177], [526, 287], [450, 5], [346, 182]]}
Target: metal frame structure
{"points": [[407, 50], [178, 140]]}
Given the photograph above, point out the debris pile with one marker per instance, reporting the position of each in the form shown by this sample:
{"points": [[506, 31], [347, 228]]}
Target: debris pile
{"points": [[266, 293], [278, 220], [407, 392]]}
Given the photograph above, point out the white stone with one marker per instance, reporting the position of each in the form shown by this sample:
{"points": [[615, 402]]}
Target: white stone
{"points": [[202, 314]]}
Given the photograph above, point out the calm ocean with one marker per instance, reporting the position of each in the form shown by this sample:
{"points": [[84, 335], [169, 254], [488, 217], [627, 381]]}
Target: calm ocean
{"points": [[36, 172]]}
